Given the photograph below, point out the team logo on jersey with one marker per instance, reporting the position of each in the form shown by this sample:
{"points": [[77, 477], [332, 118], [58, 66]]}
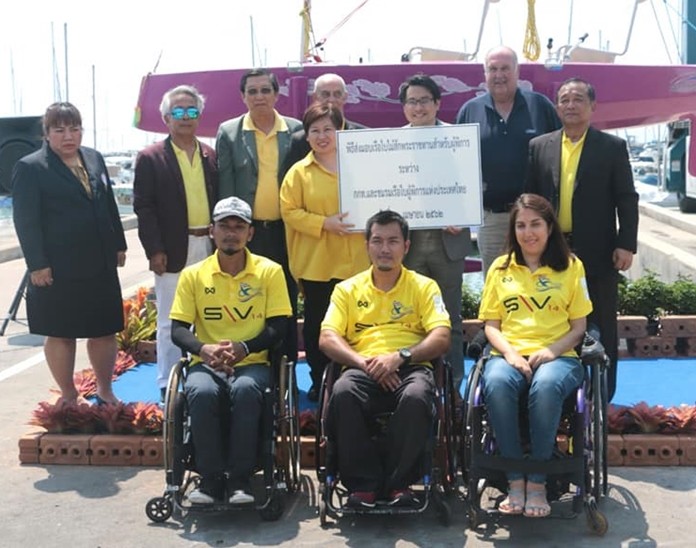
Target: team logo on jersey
{"points": [[246, 292], [400, 310], [544, 284]]}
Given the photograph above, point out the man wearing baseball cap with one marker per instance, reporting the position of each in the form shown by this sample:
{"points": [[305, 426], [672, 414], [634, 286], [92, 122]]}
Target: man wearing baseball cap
{"points": [[238, 305]]}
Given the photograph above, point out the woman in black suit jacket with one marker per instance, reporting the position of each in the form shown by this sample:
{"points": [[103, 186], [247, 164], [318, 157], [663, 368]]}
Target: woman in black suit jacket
{"points": [[67, 222]]}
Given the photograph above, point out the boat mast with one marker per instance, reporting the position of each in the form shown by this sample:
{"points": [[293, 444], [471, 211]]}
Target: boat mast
{"points": [[306, 30], [253, 50]]}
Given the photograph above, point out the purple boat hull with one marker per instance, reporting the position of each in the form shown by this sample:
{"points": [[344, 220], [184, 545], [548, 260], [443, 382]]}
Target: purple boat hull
{"points": [[627, 95]]}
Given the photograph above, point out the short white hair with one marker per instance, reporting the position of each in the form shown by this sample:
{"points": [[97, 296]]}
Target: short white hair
{"points": [[328, 77], [191, 91]]}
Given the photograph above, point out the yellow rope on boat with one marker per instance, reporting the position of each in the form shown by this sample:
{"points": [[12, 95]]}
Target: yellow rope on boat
{"points": [[532, 46]]}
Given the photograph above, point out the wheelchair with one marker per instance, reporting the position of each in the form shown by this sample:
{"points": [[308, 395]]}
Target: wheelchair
{"points": [[439, 462], [579, 459], [279, 454]]}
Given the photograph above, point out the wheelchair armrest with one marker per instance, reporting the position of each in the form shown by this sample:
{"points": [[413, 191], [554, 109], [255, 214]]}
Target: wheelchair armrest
{"points": [[477, 346], [591, 349]]}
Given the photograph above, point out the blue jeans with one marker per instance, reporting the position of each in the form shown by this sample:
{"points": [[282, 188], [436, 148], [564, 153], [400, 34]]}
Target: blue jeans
{"points": [[551, 384]]}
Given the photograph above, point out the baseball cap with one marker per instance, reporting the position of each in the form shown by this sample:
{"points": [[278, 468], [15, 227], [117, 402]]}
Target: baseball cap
{"points": [[232, 207]]}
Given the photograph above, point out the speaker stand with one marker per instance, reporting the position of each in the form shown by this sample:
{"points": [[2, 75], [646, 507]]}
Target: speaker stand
{"points": [[16, 301]]}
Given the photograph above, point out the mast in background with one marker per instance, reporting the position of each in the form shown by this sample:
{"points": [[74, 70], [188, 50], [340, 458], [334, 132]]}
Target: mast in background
{"points": [[65, 44], [253, 51]]}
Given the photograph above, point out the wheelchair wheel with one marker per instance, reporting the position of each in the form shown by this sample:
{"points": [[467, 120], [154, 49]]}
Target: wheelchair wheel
{"points": [[293, 403], [288, 426], [174, 427], [596, 520], [159, 509], [274, 509], [444, 512], [598, 485], [323, 521], [449, 479]]}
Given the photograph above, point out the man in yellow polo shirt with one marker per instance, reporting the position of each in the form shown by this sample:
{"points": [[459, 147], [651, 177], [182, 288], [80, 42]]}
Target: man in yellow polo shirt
{"points": [[251, 150], [238, 305], [384, 325], [174, 190]]}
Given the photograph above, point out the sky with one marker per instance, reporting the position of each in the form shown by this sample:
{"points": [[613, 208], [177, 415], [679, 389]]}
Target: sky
{"points": [[124, 42]]}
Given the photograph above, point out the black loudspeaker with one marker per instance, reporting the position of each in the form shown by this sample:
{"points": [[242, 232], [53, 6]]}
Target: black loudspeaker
{"points": [[18, 137]]}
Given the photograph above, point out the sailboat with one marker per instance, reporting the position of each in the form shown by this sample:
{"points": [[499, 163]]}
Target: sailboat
{"points": [[632, 95]]}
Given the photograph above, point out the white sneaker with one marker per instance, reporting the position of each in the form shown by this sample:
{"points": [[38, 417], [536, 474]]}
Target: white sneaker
{"points": [[200, 497], [240, 497]]}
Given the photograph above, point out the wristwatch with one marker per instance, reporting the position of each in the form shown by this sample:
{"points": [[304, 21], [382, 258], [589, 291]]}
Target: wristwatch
{"points": [[405, 354]]}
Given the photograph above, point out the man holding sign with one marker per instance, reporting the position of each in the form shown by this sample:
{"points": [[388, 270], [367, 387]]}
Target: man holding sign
{"points": [[437, 253]]}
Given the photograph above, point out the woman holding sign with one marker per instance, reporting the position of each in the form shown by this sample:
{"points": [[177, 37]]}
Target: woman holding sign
{"points": [[322, 250]]}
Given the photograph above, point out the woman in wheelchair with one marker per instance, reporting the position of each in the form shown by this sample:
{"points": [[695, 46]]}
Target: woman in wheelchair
{"points": [[534, 306]]}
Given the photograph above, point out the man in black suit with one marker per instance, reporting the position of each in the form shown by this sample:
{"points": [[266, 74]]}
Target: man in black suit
{"points": [[329, 89], [586, 174]]}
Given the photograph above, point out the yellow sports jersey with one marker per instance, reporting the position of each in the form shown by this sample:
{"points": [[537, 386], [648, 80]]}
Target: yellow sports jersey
{"points": [[235, 308], [376, 322], [534, 309]]}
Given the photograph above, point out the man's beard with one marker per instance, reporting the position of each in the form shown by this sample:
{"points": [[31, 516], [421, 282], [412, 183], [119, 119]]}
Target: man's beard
{"points": [[229, 251]]}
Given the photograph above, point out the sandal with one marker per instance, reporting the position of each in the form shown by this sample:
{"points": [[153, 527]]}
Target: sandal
{"points": [[536, 505], [513, 505]]}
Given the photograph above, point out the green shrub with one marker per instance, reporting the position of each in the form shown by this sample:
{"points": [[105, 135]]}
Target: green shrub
{"points": [[682, 296], [647, 296], [471, 299]]}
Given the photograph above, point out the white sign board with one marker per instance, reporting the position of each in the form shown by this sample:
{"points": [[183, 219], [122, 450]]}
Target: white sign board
{"points": [[431, 175]]}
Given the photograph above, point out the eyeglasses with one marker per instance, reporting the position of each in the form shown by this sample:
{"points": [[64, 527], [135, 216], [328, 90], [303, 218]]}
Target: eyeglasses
{"points": [[256, 91], [336, 94], [178, 113], [423, 101]]}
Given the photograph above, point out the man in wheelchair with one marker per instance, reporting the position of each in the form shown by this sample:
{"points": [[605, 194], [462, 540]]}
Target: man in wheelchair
{"points": [[384, 326], [237, 303], [534, 306]]}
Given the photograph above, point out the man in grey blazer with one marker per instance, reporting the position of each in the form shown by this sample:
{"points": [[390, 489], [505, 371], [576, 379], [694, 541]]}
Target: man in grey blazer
{"points": [[587, 176], [437, 253], [251, 150]]}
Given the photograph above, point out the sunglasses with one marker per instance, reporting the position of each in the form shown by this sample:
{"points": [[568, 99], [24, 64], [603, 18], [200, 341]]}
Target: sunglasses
{"points": [[178, 113], [263, 91]]}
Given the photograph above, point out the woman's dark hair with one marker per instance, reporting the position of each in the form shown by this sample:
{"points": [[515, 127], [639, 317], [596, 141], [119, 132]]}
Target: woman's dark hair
{"points": [[386, 217], [61, 114], [317, 111], [557, 254]]}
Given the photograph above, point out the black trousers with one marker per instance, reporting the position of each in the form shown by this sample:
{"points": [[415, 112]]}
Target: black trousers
{"points": [[356, 398], [269, 241], [317, 296], [603, 290]]}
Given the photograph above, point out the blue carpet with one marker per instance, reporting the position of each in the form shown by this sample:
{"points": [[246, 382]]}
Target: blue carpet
{"points": [[655, 381], [140, 384]]}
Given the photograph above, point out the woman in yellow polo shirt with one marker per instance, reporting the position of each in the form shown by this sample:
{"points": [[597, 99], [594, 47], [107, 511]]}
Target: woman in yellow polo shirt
{"points": [[321, 249], [534, 306]]}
